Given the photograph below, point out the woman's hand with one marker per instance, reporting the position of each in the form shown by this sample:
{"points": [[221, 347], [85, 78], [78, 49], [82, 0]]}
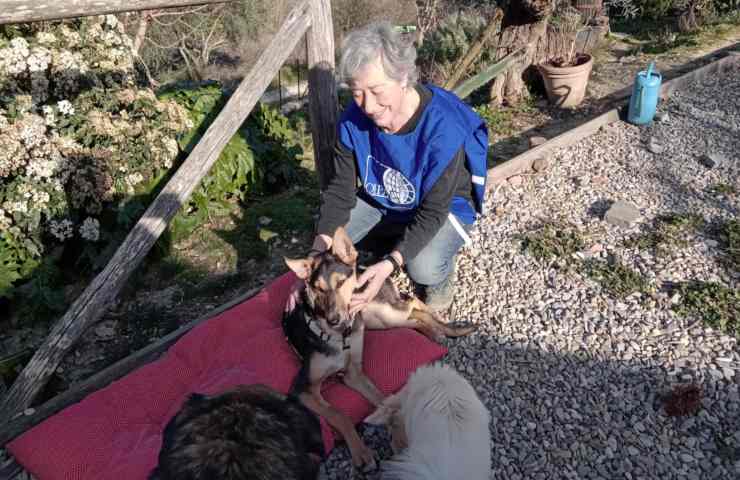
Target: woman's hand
{"points": [[374, 276], [295, 295]]}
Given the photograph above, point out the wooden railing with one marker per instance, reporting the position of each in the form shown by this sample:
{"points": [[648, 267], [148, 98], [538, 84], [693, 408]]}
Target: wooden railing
{"points": [[24, 11], [310, 17]]}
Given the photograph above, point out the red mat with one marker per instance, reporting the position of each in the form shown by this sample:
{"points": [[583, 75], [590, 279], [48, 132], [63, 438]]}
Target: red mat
{"points": [[116, 432]]}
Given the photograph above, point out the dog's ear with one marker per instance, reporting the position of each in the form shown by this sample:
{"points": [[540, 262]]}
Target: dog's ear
{"points": [[342, 247], [385, 411], [301, 266]]}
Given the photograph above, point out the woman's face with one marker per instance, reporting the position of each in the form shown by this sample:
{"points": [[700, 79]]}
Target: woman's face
{"points": [[378, 96]]}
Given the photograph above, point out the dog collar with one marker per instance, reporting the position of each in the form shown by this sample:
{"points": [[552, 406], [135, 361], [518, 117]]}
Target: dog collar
{"points": [[325, 337]]}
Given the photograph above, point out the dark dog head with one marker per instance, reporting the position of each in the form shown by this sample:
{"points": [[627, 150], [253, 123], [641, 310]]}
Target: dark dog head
{"points": [[247, 433], [330, 281]]}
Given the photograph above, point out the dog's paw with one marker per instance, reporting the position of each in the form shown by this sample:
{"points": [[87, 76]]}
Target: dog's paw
{"points": [[364, 459]]}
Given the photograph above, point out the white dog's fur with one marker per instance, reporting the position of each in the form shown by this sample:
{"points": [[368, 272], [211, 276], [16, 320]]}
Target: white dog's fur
{"points": [[442, 423]]}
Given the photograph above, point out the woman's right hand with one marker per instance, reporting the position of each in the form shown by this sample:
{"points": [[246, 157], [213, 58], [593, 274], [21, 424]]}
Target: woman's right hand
{"points": [[295, 295]]}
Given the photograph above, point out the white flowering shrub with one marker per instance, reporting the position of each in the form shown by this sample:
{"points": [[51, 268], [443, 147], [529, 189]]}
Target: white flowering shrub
{"points": [[78, 139]]}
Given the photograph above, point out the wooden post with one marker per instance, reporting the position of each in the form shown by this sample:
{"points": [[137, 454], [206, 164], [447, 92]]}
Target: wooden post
{"points": [[322, 89], [91, 305], [22, 11]]}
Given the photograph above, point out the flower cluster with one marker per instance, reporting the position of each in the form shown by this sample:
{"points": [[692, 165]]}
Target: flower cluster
{"points": [[77, 135]]}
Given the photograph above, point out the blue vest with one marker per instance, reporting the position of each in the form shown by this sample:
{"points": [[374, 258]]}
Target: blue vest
{"points": [[397, 171]]}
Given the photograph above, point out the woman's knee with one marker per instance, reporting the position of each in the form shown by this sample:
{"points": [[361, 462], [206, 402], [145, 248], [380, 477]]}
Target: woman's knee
{"points": [[428, 269]]}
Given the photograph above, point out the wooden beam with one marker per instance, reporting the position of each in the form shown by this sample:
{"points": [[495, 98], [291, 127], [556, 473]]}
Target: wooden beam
{"points": [[680, 83], [93, 302], [22, 11], [523, 162], [112, 373], [322, 89]]}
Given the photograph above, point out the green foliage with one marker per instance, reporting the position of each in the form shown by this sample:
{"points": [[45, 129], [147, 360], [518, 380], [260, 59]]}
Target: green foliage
{"points": [[723, 189], [449, 42], [486, 75], [671, 230], [729, 235], [78, 139], [43, 295], [261, 158], [552, 241], [714, 304], [18, 259], [614, 277], [289, 212]]}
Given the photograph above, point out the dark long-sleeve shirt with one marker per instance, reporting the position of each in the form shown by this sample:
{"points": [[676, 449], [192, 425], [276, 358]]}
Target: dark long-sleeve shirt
{"points": [[341, 194]]}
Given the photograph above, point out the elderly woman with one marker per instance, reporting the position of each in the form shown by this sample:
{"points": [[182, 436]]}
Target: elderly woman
{"points": [[419, 154]]}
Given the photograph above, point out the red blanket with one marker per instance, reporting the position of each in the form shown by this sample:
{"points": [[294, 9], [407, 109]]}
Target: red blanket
{"points": [[116, 432]]}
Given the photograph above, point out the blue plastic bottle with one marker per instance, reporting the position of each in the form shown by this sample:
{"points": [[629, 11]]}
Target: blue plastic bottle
{"points": [[645, 94]]}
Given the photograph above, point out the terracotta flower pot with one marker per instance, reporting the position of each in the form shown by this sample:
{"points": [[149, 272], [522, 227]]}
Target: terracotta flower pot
{"points": [[566, 86]]}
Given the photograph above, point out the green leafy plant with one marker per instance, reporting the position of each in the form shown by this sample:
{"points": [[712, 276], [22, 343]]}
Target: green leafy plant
{"points": [[715, 304], [670, 230], [448, 42], [486, 75], [78, 138], [614, 277], [552, 240], [262, 157], [729, 235], [723, 189]]}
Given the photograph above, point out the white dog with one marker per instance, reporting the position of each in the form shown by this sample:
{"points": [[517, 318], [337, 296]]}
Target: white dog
{"points": [[439, 428]]}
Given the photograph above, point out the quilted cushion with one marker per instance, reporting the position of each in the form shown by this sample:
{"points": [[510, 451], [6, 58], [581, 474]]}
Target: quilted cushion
{"points": [[116, 432]]}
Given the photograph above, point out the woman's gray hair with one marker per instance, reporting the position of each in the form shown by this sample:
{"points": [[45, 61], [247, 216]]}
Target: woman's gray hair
{"points": [[361, 47]]}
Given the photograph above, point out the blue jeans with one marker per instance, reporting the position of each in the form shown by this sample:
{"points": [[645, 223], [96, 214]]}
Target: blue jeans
{"points": [[436, 260]]}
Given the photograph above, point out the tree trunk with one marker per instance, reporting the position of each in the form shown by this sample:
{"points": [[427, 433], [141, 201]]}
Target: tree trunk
{"points": [[525, 24]]}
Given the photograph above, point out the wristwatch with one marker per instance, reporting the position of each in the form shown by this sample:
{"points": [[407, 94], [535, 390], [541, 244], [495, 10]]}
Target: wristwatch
{"points": [[394, 262]]}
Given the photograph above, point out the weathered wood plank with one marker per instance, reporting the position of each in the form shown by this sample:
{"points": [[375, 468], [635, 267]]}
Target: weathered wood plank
{"points": [[322, 89], [679, 83], [103, 378], [523, 162], [92, 303], [21, 11]]}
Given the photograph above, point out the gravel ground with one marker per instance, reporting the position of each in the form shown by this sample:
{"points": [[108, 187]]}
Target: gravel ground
{"points": [[573, 376]]}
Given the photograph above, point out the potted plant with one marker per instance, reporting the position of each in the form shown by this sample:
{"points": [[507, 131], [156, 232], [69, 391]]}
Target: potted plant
{"points": [[566, 76]]}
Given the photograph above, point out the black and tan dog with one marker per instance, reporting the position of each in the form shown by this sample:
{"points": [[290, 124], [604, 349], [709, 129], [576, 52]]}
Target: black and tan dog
{"points": [[249, 433], [329, 339]]}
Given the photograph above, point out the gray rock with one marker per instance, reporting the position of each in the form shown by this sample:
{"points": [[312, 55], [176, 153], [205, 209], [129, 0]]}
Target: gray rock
{"points": [[106, 329], [663, 117], [622, 214], [713, 159], [655, 147], [541, 164], [536, 141]]}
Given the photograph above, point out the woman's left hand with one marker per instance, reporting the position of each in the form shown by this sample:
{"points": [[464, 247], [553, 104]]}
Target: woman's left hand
{"points": [[374, 276]]}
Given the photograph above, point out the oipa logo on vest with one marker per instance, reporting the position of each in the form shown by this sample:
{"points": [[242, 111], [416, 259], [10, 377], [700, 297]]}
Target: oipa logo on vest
{"points": [[395, 186]]}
